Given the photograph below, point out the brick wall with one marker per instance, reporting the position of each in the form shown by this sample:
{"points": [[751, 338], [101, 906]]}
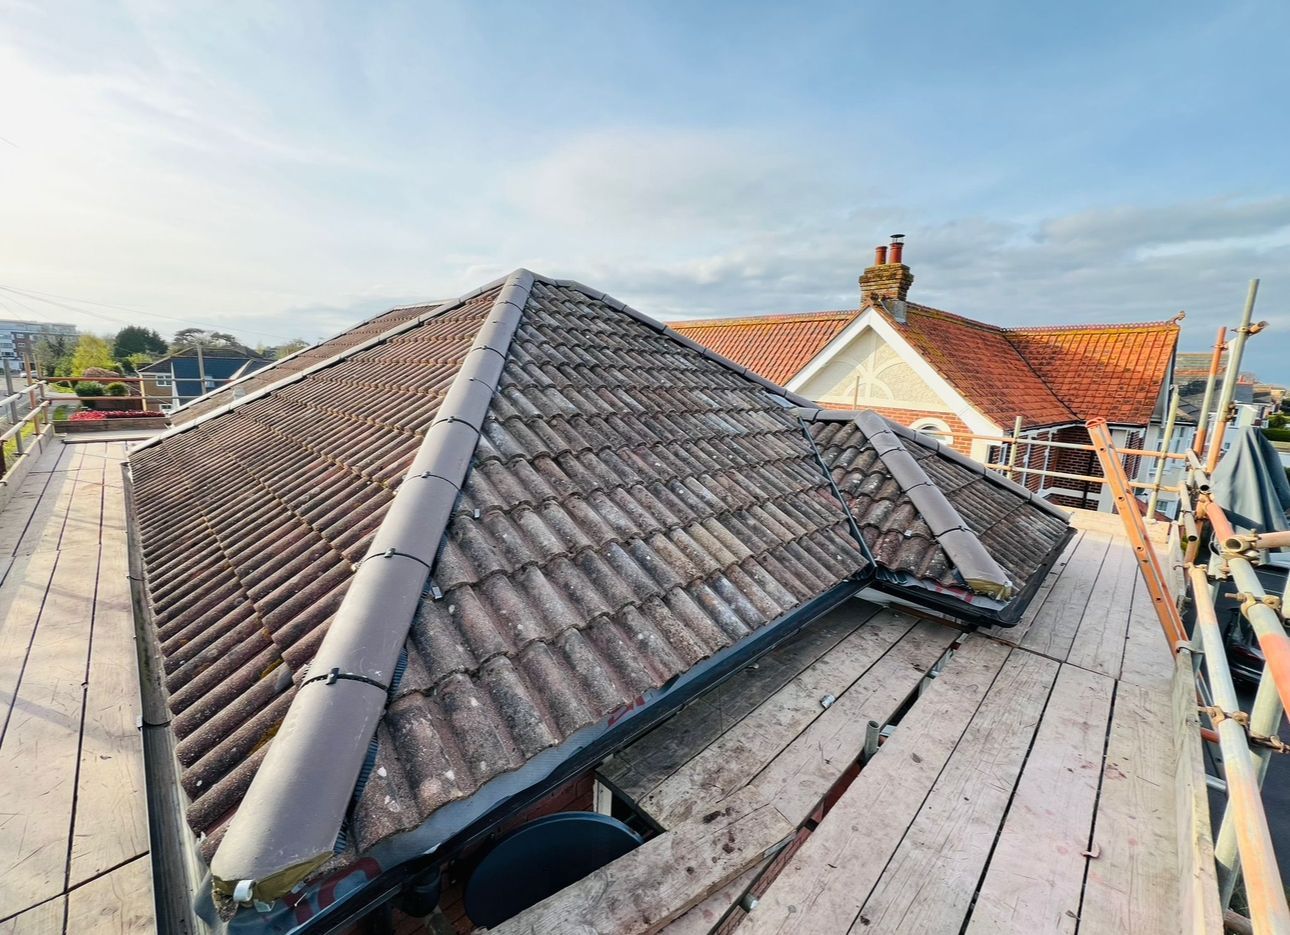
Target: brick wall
{"points": [[910, 416], [1075, 462]]}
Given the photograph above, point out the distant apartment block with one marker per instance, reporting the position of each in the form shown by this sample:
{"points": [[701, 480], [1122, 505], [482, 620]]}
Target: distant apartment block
{"points": [[18, 339]]}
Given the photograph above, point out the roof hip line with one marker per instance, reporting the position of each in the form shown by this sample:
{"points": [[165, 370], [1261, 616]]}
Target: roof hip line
{"points": [[288, 822], [978, 568]]}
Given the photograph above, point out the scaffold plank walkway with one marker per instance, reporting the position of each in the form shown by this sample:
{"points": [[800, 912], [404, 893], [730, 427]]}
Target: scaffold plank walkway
{"points": [[1039, 779], [73, 833]]}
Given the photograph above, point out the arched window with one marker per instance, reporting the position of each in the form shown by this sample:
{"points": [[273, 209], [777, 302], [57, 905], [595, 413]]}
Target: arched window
{"points": [[934, 428]]}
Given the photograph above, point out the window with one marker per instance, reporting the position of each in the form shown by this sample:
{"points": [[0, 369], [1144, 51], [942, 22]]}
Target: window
{"points": [[935, 428], [163, 380]]}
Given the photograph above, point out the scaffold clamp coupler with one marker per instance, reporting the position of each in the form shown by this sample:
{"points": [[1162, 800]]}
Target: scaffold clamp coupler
{"points": [[1217, 716]]}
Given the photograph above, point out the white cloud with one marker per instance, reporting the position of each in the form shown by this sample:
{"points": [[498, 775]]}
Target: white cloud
{"points": [[159, 181]]}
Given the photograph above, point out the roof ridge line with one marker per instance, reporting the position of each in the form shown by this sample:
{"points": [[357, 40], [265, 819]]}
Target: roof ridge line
{"points": [[769, 318], [973, 562], [1114, 326], [351, 671], [348, 352], [975, 322], [1155, 324]]}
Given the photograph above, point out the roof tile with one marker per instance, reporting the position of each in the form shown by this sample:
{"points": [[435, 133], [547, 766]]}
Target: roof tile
{"points": [[632, 509]]}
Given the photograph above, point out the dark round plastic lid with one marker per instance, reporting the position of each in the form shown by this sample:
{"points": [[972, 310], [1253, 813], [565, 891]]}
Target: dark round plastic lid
{"points": [[541, 858]]}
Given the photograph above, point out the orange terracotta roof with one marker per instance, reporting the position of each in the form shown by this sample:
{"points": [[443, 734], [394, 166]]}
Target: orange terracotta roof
{"points": [[1114, 371], [775, 346], [1046, 375], [982, 364]]}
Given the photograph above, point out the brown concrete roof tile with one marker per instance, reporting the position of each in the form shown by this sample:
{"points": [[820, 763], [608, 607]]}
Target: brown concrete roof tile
{"points": [[1017, 532], [631, 508]]}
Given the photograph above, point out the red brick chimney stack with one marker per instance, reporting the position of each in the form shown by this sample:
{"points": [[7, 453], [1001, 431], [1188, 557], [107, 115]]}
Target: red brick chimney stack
{"points": [[888, 278]]}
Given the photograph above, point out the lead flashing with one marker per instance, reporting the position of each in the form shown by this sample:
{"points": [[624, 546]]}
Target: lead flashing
{"points": [[288, 822]]}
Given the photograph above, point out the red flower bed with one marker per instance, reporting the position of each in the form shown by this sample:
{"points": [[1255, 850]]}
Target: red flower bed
{"points": [[99, 415]]}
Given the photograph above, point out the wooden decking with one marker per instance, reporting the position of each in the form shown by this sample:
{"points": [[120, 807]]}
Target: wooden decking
{"points": [[1047, 779], [73, 823], [1044, 778]]}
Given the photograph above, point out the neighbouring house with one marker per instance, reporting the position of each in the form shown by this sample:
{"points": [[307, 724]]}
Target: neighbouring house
{"points": [[1192, 375], [422, 586], [949, 377], [183, 376]]}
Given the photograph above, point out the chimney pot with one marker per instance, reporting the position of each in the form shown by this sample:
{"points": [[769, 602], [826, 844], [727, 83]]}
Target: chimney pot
{"points": [[888, 278]]}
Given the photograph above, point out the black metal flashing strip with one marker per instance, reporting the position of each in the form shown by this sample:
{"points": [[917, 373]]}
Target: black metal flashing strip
{"points": [[976, 614], [341, 916]]}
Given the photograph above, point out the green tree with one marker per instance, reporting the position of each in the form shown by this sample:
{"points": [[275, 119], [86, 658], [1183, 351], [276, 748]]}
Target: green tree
{"points": [[282, 350], [135, 361], [134, 340], [186, 338], [54, 354], [92, 351]]}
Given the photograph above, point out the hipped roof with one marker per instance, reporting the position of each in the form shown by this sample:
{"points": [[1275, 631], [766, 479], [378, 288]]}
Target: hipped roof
{"points": [[603, 504], [472, 538], [935, 519]]}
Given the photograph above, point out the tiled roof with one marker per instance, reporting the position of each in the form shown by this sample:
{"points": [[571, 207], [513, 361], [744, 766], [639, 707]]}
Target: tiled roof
{"points": [[1013, 535], [632, 507], [1112, 371], [297, 362], [776, 346], [1046, 375], [981, 363], [250, 523]]}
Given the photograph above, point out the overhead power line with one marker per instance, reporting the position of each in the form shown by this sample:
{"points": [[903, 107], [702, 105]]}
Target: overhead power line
{"points": [[62, 300]]}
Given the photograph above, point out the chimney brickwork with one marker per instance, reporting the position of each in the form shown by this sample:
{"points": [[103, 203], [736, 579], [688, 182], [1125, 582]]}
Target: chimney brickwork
{"points": [[888, 278]]}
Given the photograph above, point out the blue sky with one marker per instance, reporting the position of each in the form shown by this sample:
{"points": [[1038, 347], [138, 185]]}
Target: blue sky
{"points": [[284, 170]]}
